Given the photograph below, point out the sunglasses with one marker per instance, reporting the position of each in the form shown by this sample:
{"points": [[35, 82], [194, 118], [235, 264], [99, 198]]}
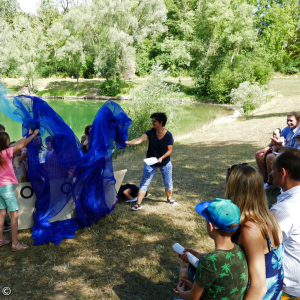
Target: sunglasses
{"points": [[230, 169]]}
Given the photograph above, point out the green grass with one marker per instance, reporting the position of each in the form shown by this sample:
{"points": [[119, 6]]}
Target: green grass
{"points": [[128, 255]]}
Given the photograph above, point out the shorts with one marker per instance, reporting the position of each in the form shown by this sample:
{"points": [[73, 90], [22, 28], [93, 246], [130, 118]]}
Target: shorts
{"points": [[192, 272], [166, 172], [8, 198]]}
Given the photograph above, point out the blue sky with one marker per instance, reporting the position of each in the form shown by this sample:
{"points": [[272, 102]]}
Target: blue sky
{"points": [[28, 5]]}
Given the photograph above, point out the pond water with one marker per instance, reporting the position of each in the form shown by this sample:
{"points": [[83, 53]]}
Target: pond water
{"points": [[78, 114]]}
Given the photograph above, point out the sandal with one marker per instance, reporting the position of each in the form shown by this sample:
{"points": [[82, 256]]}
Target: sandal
{"points": [[136, 207], [16, 247], [172, 201], [4, 242]]}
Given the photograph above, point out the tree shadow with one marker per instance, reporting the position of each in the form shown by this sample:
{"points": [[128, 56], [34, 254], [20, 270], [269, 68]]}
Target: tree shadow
{"points": [[128, 255], [283, 114]]}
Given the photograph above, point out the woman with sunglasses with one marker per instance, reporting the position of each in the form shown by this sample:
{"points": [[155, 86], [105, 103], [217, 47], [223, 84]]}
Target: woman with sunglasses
{"points": [[160, 146], [259, 235]]}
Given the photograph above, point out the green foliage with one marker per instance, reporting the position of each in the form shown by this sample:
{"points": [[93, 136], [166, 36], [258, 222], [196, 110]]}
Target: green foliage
{"points": [[248, 96], [154, 96], [110, 87], [248, 67]]}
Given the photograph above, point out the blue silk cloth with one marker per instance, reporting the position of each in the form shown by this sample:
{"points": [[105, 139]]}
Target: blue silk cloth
{"points": [[68, 173]]}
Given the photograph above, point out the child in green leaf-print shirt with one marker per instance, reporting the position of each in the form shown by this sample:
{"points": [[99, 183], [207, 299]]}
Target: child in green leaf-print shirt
{"points": [[223, 273]]}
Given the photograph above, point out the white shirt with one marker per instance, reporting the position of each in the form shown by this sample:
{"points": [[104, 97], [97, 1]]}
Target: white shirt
{"points": [[286, 212]]}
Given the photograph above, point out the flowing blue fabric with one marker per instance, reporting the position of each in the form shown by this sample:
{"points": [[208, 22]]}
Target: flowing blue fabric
{"points": [[68, 173]]}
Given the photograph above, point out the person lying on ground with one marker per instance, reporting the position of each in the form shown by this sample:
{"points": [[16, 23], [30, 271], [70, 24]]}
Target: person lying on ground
{"points": [[160, 146], [264, 161], [285, 172], [222, 273], [259, 235], [128, 192]]}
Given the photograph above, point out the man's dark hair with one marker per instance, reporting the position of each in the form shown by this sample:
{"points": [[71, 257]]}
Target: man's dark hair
{"points": [[2, 128], [295, 114], [289, 159], [160, 117]]}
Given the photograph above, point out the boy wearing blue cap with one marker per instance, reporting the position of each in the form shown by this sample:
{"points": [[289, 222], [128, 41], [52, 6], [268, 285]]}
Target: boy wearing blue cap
{"points": [[223, 273]]}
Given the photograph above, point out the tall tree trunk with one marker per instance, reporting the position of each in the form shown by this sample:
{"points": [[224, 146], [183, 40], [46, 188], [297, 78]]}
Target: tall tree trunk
{"points": [[232, 56]]}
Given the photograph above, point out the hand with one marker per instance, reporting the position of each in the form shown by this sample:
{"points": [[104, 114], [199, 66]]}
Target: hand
{"points": [[36, 131], [260, 152], [160, 160], [30, 131], [276, 141], [188, 284], [183, 257], [181, 286]]}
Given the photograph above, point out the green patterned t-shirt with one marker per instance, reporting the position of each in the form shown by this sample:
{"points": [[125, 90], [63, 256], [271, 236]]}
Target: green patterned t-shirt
{"points": [[223, 274]]}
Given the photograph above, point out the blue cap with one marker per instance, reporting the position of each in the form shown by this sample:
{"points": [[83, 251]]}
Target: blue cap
{"points": [[220, 212]]}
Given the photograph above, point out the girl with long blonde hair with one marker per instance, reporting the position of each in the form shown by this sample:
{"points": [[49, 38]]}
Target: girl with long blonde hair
{"points": [[259, 235]]}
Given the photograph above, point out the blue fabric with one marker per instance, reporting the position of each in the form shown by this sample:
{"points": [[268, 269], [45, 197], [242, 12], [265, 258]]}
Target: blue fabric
{"points": [[274, 272], [87, 178]]}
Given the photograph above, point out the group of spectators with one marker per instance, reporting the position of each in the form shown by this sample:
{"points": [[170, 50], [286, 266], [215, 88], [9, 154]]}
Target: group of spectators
{"points": [[257, 247], [268, 235], [289, 137]]}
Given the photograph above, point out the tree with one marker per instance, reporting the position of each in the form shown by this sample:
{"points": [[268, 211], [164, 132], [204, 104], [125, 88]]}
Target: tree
{"points": [[57, 36], [9, 9], [5, 42], [119, 26], [28, 49], [277, 21], [225, 39]]}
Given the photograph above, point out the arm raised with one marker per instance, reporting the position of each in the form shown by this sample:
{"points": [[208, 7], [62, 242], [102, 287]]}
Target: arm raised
{"points": [[26, 142]]}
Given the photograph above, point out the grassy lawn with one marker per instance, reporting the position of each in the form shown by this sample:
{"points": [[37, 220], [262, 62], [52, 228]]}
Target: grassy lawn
{"points": [[128, 255]]}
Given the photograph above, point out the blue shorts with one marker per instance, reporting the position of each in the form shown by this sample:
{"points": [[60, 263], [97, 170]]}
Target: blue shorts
{"points": [[166, 172], [8, 198]]}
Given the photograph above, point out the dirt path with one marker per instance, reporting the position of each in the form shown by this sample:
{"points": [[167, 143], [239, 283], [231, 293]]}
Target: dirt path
{"points": [[128, 255]]}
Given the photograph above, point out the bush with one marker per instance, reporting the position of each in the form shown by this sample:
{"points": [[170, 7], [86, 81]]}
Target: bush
{"points": [[154, 96], [110, 87], [248, 96]]}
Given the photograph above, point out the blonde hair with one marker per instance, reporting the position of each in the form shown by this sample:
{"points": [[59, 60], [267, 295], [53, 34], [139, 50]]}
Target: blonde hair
{"points": [[245, 188]]}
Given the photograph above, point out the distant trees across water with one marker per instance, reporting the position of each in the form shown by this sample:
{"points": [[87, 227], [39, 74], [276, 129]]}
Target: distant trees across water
{"points": [[220, 43]]}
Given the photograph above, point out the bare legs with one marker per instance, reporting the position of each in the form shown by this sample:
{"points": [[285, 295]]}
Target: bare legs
{"points": [[169, 194], [183, 274], [14, 226], [269, 161], [2, 218], [141, 196], [261, 164]]}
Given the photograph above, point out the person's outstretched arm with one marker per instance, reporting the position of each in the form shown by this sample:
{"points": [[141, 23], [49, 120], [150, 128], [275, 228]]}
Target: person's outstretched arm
{"points": [[26, 142], [138, 141]]}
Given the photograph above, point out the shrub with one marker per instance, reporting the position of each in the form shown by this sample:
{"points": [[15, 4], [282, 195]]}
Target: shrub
{"points": [[248, 96], [110, 87], [155, 96]]}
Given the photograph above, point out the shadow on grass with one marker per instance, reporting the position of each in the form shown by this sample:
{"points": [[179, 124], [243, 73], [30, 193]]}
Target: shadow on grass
{"points": [[69, 88], [265, 116], [128, 255]]}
